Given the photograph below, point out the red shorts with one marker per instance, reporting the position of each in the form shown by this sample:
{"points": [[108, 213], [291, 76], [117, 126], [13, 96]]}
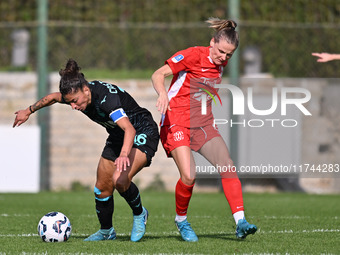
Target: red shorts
{"points": [[175, 136]]}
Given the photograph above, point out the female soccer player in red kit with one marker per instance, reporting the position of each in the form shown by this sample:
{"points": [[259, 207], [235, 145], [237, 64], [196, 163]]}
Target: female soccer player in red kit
{"points": [[184, 128]]}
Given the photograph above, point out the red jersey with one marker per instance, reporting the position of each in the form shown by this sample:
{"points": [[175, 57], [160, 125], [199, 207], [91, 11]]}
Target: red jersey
{"points": [[195, 74]]}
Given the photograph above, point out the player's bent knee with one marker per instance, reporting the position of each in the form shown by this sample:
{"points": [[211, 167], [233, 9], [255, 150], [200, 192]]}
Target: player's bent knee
{"points": [[97, 191], [122, 184], [101, 195], [228, 163], [188, 180]]}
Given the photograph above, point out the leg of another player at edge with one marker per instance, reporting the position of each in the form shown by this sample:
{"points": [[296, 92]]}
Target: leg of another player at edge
{"points": [[216, 152], [186, 166]]}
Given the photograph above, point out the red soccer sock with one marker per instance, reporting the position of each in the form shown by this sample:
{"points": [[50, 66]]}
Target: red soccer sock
{"points": [[183, 194], [233, 192]]}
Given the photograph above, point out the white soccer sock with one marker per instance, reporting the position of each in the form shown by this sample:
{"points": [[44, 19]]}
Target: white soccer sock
{"points": [[180, 218], [238, 216]]}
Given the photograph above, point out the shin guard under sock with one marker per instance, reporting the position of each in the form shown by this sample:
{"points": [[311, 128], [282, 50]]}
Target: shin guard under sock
{"points": [[233, 192], [183, 195], [104, 209], [132, 197]]}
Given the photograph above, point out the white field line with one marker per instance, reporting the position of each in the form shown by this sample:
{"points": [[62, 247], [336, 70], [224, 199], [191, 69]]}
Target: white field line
{"points": [[285, 231], [267, 217], [14, 215]]}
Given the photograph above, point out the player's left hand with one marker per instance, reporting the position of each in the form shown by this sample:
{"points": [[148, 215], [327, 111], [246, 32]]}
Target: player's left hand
{"points": [[122, 162]]}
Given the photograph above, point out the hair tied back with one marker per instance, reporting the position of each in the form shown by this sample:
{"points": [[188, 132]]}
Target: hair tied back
{"points": [[218, 24]]}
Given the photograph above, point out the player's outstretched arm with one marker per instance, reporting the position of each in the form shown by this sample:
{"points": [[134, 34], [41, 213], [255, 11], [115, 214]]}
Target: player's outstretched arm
{"points": [[325, 57], [23, 115], [158, 84]]}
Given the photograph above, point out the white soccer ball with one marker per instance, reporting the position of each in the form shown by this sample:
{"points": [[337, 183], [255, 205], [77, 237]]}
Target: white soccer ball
{"points": [[54, 227]]}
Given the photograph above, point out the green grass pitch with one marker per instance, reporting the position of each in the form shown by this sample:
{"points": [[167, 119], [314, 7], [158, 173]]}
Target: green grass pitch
{"points": [[289, 223]]}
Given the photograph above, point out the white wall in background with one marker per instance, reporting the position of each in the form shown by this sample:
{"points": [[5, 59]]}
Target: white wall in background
{"points": [[19, 159]]}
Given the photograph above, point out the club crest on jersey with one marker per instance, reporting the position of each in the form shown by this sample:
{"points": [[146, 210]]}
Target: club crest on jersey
{"points": [[177, 58]]}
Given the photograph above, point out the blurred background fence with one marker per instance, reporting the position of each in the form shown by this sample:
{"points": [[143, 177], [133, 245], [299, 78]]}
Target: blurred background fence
{"points": [[130, 35], [134, 38]]}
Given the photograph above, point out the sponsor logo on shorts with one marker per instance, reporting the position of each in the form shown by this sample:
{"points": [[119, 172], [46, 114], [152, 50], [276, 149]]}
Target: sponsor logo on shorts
{"points": [[178, 136]]}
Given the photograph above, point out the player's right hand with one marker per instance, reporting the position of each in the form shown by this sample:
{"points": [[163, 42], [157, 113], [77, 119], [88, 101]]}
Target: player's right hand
{"points": [[323, 57], [163, 103], [21, 117]]}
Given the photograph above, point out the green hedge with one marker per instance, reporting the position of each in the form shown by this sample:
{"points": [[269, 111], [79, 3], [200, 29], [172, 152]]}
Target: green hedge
{"points": [[142, 34]]}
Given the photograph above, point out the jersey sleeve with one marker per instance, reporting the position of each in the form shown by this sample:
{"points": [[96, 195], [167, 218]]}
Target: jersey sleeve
{"points": [[117, 114], [182, 60], [109, 100], [111, 104]]}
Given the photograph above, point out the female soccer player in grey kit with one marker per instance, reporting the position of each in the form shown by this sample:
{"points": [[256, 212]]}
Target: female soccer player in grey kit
{"points": [[132, 142]]}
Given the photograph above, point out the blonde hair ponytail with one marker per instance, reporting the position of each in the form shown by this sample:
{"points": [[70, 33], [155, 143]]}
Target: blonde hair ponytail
{"points": [[218, 24], [224, 29]]}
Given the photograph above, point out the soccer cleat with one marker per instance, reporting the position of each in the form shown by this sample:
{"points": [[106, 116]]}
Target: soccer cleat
{"points": [[186, 231], [243, 229], [139, 224], [102, 234]]}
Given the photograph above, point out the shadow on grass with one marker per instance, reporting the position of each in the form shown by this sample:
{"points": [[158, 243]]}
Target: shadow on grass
{"points": [[174, 237], [229, 237]]}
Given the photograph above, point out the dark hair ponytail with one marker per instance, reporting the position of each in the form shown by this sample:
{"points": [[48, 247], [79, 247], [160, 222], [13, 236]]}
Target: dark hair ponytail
{"points": [[71, 78], [224, 29]]}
